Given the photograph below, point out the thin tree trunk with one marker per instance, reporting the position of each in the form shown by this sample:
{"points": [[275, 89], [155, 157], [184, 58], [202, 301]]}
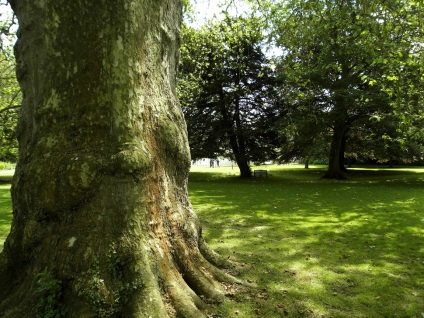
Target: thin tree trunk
{"points": [[241, 156], [100, 204], [243, 164], [307, 163], [236, 141]]}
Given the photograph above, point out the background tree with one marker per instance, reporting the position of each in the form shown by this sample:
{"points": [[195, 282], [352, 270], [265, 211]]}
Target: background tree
{"points": [[227, 91], [383, 141], [10, 96], [339, 52], [306, 136], [400, 132], [102, 225]]}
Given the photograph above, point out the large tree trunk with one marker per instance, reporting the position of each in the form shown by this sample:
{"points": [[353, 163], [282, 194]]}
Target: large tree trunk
{"points": [[342, 153], [102, 224], [334, 170]]}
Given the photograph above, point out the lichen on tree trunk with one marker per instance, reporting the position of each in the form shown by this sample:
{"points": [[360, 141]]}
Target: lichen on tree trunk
{"points": [[100, 204]]}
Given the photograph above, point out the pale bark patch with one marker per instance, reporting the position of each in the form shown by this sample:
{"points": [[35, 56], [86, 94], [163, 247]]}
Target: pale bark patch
{"points": [[71, 241]]}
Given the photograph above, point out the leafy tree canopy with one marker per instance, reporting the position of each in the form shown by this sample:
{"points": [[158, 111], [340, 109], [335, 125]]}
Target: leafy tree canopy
{"points": [[347, 61], [227, 89], [10, 95]]}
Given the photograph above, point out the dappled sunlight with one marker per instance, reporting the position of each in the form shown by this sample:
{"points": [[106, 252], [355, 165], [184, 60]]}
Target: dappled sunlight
{"points": [[260, 228], [321, 248], [5, 213], [331, 248]]}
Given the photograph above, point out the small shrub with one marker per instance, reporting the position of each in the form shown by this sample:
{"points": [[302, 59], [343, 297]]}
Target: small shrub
{"points": [[7, 165], [106, 291], [49, 292]]}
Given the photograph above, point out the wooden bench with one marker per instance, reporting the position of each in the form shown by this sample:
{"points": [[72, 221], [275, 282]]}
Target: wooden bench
{"points": [[260, 173]]}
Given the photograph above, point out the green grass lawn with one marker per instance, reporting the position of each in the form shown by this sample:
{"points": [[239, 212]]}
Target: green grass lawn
{"points": [[5, 205], [313, 247]]}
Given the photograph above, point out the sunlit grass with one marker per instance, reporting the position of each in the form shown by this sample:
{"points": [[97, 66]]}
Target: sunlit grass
{"points": [[5, 212], [318, 248], [5, 202], [313, 247]]}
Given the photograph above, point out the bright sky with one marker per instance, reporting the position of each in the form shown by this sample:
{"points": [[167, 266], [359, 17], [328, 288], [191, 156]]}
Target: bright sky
{"points": [[4, 7], [6, 13], [208, 9], [205, 9]]}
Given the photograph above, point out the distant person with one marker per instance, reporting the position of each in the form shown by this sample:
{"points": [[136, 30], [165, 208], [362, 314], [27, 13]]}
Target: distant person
{"points": [[211, 163], [217, 163]]}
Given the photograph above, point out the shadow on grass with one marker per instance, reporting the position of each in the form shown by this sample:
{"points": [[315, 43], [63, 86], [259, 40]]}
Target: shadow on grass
{"points": [[314, 247], [321, 248]]}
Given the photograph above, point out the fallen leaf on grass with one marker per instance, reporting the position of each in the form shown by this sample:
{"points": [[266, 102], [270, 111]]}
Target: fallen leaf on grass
{"points": [[290, 272], [282, 307], [262, 295]]}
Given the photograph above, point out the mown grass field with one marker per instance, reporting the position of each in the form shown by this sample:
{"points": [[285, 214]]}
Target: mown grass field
{"points": [[5, 205], [315, 247], [312, 247]]}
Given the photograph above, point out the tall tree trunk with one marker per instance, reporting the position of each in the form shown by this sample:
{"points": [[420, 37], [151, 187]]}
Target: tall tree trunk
{"points": [[243, 164], [342, 153], [241, 155], [236, 139], [101, 218], [334, 171]]}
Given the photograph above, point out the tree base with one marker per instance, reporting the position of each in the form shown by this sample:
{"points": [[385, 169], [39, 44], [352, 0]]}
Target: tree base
{"points": [[114, 286]]}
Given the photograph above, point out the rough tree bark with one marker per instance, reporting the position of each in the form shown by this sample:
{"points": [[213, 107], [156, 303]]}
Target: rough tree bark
{"points": [[101, 218]]}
